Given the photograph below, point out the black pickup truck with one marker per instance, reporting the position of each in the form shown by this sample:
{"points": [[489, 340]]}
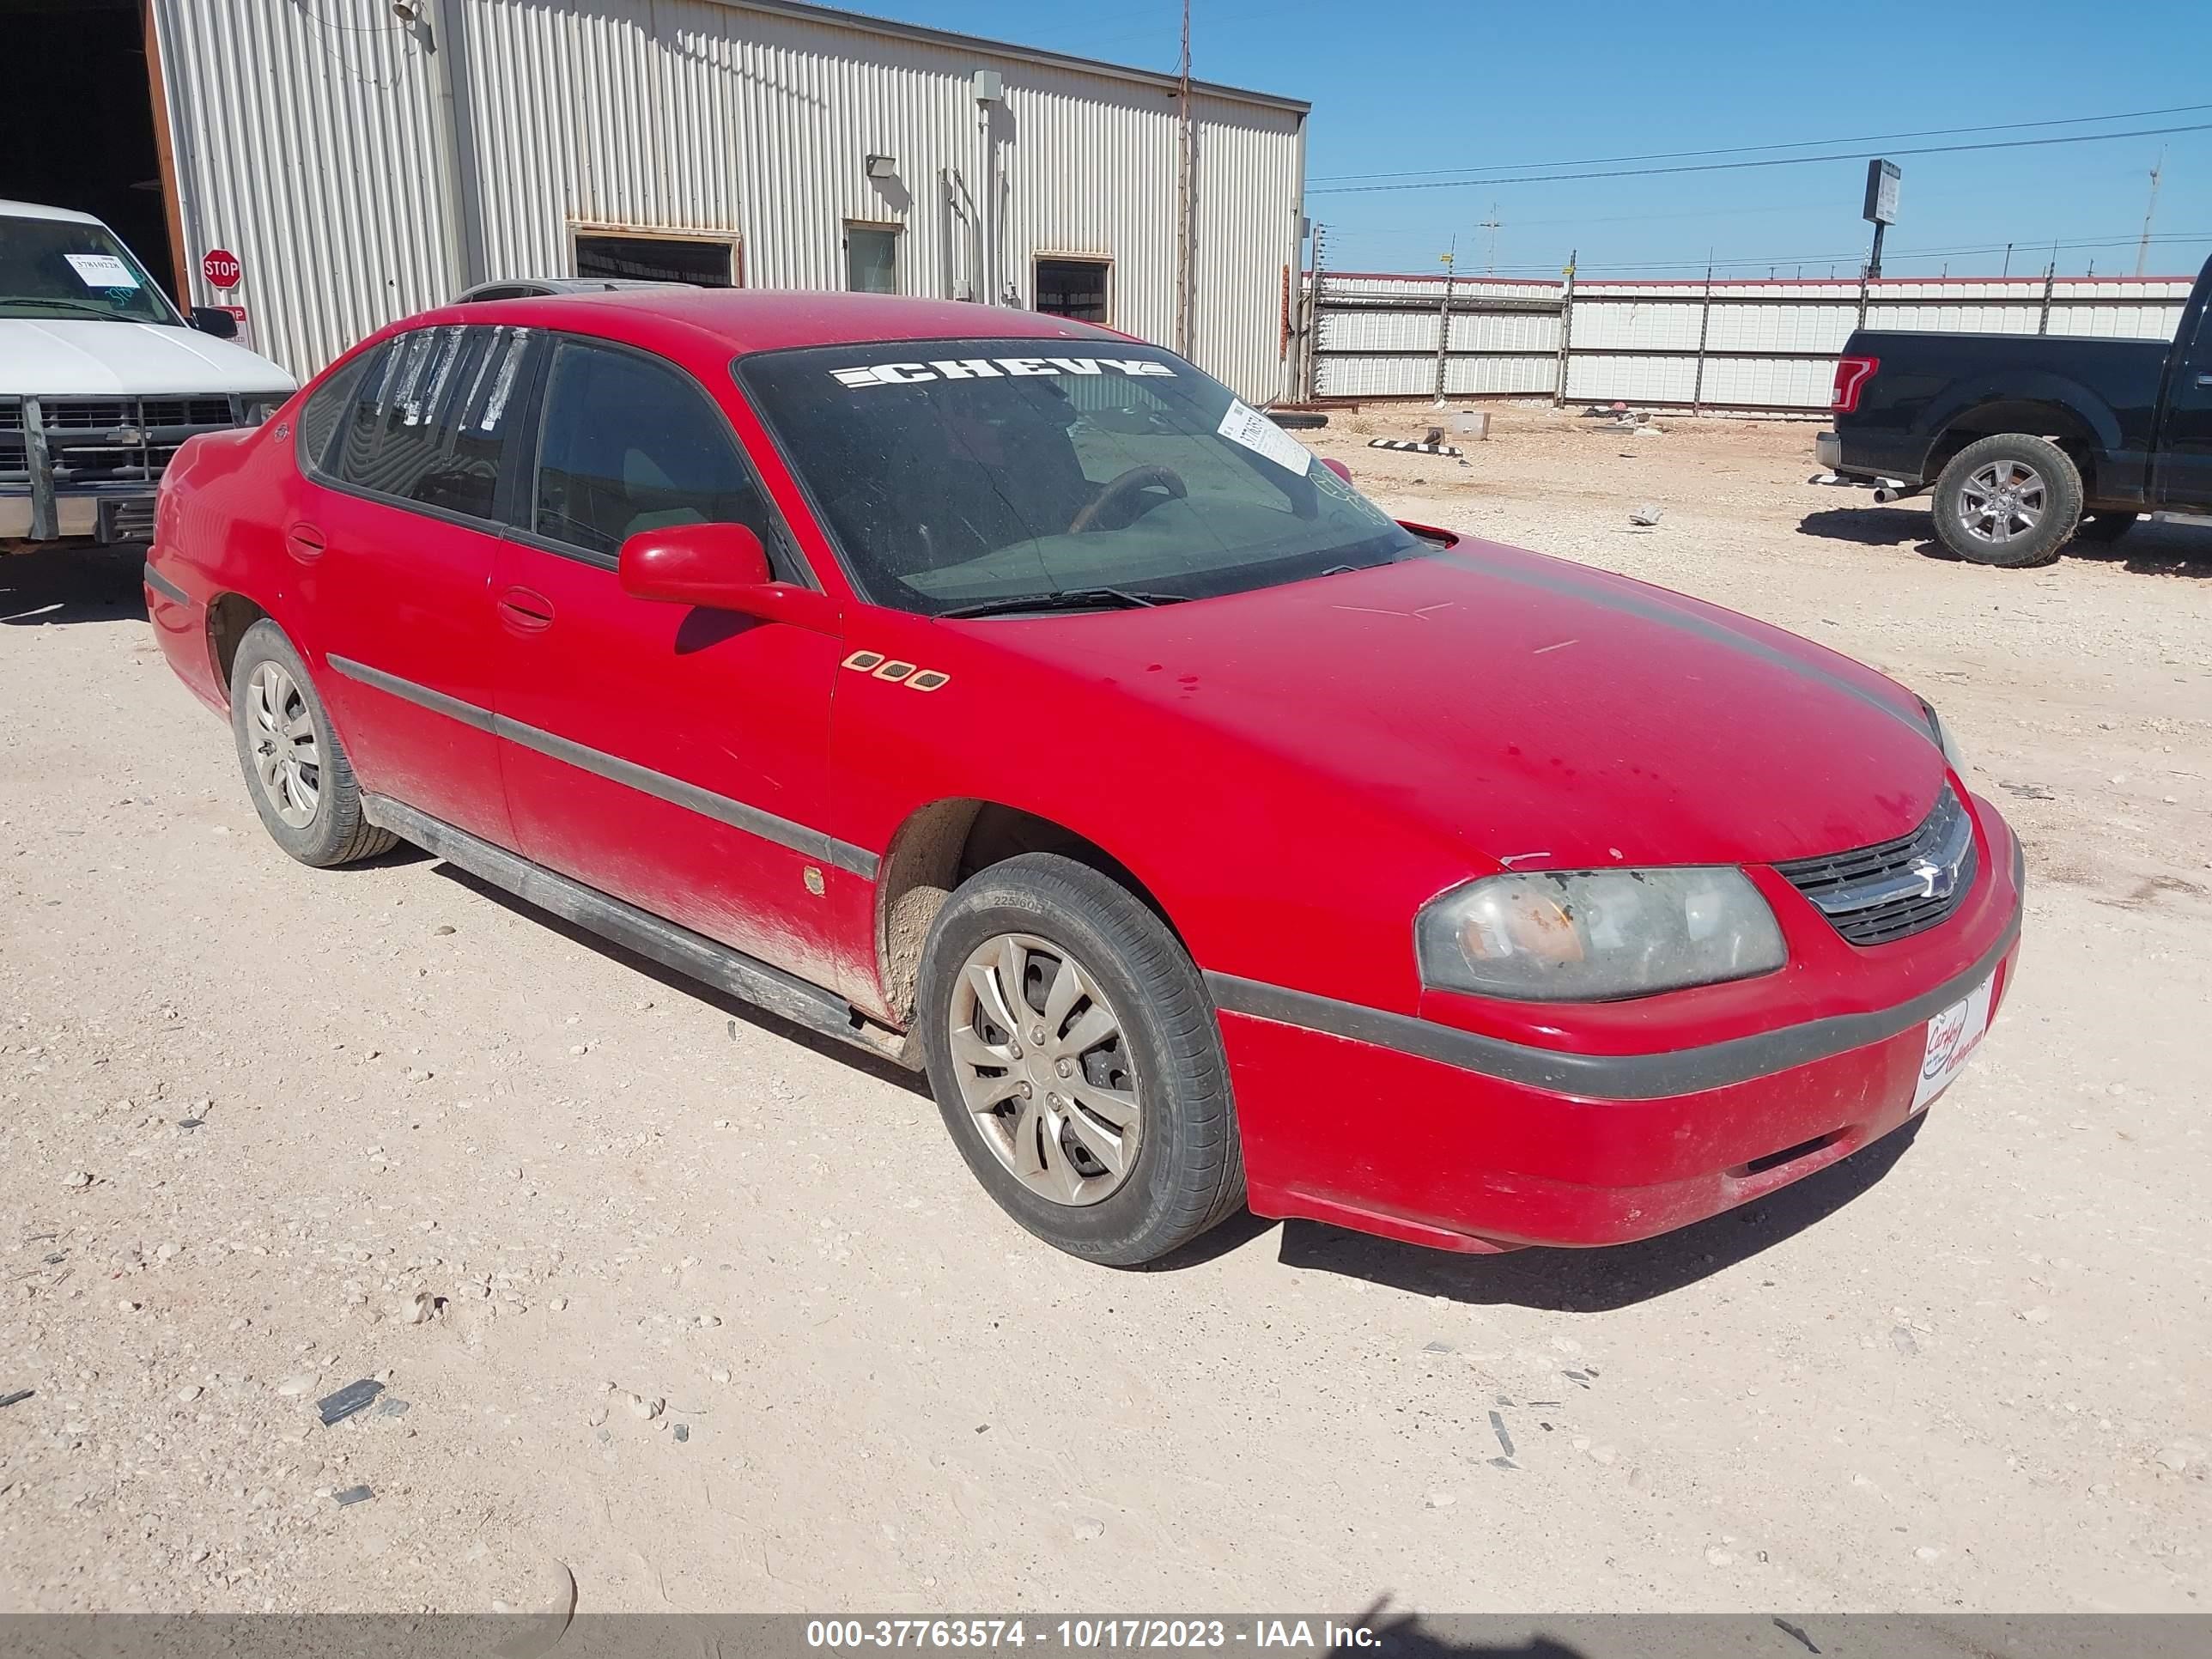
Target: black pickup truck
{"points": [[2028, 440]]}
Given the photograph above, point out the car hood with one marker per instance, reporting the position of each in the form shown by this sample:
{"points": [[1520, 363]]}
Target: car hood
{"points": [[1532, 711], [41, 358]]}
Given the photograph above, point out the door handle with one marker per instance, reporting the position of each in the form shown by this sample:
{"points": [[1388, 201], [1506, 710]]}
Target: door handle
{"points": [[526, 610], [304, 542], [2204, 379]]}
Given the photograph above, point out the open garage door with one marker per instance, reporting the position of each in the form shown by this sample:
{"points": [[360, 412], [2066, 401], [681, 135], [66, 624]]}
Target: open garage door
{"points": [[83, 132]]}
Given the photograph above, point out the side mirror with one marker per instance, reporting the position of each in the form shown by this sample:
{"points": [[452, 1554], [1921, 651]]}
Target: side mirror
{"points": [[1337, 467], [214, 321], [720, 567]]}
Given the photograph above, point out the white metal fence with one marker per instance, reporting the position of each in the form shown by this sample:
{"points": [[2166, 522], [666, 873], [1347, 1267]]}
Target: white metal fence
{"points": [[1760, 346]]}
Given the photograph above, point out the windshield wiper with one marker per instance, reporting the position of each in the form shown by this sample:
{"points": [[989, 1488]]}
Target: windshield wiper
{"points": [[1066, 598], [84, 307]]}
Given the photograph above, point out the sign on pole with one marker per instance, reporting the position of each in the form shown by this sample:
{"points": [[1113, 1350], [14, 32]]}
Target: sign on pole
{"points": [[221, 267], [1882, 192]]}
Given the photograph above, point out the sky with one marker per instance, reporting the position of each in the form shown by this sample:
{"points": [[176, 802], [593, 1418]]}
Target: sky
{"points": [[1498, 90]]}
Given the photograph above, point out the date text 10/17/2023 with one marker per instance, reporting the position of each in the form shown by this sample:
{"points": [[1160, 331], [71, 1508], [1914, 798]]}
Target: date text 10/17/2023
{"points": [[1086, 1635]]}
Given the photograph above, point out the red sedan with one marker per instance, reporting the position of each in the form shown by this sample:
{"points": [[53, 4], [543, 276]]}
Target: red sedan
{"points": [[1004, 695]]}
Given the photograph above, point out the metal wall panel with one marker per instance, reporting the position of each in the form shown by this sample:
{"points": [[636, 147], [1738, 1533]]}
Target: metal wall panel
{"points": [[311, 145], [305, 143]]}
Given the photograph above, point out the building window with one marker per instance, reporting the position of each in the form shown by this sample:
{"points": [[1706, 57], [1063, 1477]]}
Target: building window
{"points": [[1074, 287], [654, 260], [871, 260]]}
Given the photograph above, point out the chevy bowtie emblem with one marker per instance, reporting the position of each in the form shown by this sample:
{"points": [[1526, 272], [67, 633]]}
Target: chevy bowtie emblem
{"points": [[1936, 880]]}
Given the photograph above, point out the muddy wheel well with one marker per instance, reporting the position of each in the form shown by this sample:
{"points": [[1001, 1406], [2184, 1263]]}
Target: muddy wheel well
{"points": [[2036, 420], [940, 847], [228, 618]]}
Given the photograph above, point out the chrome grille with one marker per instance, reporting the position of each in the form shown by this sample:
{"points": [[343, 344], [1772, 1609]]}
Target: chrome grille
{"points": [[1894, 889], [92, 442]]}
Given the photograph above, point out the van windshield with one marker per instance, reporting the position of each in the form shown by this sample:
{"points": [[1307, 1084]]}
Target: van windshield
{"points": [[62, 270], [953, 474]]}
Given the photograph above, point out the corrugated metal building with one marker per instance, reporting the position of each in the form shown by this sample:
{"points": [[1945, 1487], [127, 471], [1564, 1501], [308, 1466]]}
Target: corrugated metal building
{"points": [[363, 161]]}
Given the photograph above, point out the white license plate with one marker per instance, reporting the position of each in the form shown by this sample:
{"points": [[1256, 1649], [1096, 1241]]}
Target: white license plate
{"points": [[1952, 1036]]}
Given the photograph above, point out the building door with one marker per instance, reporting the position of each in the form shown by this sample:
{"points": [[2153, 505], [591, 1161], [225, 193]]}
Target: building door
{"points": [[673, 757], [80, 113]]}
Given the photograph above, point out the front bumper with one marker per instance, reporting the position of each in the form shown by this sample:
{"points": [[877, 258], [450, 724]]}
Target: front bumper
{"points": [[1380, 1126], [111, 516]]}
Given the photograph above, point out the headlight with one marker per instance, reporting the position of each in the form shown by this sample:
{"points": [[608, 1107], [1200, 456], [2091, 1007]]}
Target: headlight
{"points": [[1597, 935], [1954, 756]]}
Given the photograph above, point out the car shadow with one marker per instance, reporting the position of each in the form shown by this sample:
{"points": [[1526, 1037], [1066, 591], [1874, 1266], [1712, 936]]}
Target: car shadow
{"points": [[1607, 1279], [2148, 549], [56, 587], [883, 1069]]}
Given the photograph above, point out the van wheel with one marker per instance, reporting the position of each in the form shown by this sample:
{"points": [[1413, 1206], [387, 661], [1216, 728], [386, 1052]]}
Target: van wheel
{"points": [[295, 769], [2011, 501], [1076, 1058], [2105, 527]]}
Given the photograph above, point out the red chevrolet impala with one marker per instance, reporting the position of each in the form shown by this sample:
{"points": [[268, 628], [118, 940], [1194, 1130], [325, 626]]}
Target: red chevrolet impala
{"points": [[1006, 696]]}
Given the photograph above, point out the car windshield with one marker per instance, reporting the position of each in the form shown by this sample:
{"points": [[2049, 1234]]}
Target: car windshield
{"points": [[955, 473], [64, 269]]}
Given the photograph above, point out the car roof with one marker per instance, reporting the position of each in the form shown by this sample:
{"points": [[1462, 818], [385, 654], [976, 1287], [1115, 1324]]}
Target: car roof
{"points": [[33, 210], [737, 320]]}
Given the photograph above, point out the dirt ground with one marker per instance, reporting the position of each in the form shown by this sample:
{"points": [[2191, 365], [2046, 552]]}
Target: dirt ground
{"points": [[726, 1325]]}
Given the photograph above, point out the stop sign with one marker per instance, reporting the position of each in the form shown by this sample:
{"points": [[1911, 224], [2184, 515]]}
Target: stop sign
{"points": [[221, 267]]}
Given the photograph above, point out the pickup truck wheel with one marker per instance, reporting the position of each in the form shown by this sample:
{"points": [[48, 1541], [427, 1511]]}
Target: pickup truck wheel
{"points": [[2105, 526], [2011, 501], [295, 769], [1074, 1054]]}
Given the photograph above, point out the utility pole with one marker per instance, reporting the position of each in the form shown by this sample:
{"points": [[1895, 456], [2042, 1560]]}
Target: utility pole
{"points": [[1491, 225], [1449, 260], [2008, 264], [2143, 247], [1186, 207]]}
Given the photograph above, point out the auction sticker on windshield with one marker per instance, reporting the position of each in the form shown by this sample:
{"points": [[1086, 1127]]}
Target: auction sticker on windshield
{"points": [[1952, 1036], [1247, 426], [100, 270]]}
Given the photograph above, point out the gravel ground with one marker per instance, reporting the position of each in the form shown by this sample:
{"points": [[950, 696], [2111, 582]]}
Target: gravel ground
{"points": [[676, 1310]]}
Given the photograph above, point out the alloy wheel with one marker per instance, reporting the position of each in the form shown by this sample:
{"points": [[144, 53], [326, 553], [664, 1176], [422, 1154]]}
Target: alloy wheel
{"points": [[2001, 501], [286, 760], [1045, 1070]]}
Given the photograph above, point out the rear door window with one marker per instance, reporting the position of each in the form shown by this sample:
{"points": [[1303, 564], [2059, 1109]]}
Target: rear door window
{"points": [[428, 421], [627, 443]]}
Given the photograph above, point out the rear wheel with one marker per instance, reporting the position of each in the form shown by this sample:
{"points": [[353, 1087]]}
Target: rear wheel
{"points": [[295, 769], [1075, 1056], [2105, 527], [2011, 501]]}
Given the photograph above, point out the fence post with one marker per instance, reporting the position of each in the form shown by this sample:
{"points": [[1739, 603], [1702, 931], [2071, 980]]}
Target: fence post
{"points": [[1567, 332], [2049, 275], [1444, 331], [1704, 322]]}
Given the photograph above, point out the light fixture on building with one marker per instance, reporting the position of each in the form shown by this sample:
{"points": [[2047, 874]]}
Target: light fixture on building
{"points": [[883, 166]]}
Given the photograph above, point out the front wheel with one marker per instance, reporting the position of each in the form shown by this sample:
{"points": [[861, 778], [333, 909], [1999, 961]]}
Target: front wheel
{"points": [[2012, 501], [1074, 1054]]}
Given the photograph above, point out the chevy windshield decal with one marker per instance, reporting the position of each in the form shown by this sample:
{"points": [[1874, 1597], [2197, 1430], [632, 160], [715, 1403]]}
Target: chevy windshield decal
{"points": [[992, 368]]}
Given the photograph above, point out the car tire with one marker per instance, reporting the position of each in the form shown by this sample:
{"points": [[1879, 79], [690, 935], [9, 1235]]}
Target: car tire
{"points": [[2012, 501], [1117, 1149], [2105, 527], [296, 770]]}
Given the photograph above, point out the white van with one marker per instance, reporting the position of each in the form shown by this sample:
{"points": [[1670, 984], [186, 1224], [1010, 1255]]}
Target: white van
{"points": [[101, 379]]}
